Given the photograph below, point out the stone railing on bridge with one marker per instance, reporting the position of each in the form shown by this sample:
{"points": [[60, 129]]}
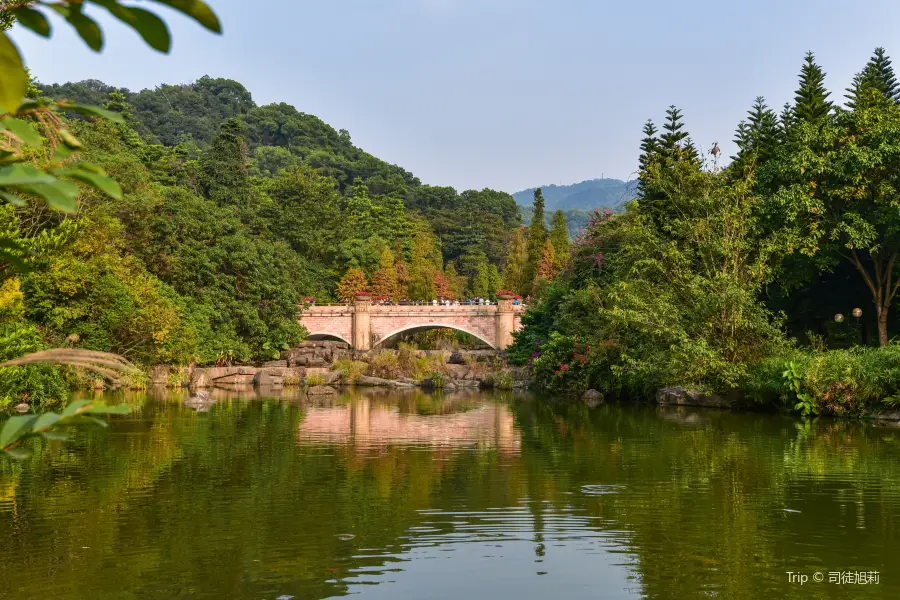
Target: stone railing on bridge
{"points": [[365, 325]]}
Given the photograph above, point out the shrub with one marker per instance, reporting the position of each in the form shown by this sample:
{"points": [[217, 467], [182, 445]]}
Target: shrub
{"points": [[352, 369], [314, 380], [840, 382], [501, 380], [438, 379], [385, 364], [42, 385]]}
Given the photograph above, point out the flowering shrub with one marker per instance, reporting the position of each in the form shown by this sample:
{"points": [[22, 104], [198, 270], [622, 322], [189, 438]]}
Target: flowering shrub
{"points": [[509, 293], [561, 364]]}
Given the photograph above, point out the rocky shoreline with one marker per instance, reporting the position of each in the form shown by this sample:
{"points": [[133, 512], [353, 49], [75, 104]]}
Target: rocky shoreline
{"points": [[312, 364]]}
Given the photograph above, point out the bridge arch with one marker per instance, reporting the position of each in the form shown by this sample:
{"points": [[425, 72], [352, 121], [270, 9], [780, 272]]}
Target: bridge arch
{"points": [[321, 335], [427, 326]]}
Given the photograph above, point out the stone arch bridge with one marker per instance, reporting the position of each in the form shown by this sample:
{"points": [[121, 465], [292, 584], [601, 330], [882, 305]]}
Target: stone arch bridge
{"points": [[364, 325]]}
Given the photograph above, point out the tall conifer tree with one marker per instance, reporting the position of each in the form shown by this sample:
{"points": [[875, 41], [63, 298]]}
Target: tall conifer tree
{"points": [[811, 99], [878, 74], [559, 237], [537, 232], [673, 136]]}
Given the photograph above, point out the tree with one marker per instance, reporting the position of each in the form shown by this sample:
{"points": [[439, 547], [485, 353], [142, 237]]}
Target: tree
{"points": [[878, 74], [353, 282], [537, 233], [840, 196], [650, 153], [442, 286], [559, 237], [547, 265], [403, 279], [757, 138], [674, 143], [457, 281], [384, 281], [515, 269], [811, 102]]}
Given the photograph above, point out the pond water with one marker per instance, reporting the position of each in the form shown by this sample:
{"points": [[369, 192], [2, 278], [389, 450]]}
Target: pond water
{"points": [[470, 495]]}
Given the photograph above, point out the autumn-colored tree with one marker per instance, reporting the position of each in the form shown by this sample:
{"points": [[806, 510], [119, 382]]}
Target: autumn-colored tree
{"points": [[546, 267], [353, 282], [442, 286]]}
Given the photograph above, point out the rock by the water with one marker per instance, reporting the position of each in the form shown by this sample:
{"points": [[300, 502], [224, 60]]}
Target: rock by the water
{"points": [[679, 396], [456, 358], [199, 379], [265, 378], [592, 398], [889, 415], [321, 390], [373, 381]]}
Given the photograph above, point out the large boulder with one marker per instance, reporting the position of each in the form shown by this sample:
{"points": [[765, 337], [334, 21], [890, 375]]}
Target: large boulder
{"points": [[199, 379], [679, 396], [457, 358], [263, 378], [592, 398], [458, 371], [159, 375]]}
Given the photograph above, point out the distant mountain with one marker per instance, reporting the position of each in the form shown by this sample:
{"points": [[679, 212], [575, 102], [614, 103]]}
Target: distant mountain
{"points": [[587, 195], [578, 200]]}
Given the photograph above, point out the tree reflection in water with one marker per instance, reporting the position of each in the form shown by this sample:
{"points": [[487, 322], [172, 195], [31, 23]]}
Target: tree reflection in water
{"points": [[480, 495]]}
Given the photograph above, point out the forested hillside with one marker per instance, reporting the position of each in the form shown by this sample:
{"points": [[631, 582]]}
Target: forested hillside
{"points": [[232, 215]]}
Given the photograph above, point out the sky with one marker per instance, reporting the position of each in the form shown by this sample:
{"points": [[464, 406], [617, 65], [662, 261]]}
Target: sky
{"points": [[505, 94]]}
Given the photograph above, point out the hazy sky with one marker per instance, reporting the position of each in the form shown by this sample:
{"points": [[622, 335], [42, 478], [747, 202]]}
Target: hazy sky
{"points": [[506, 94]]}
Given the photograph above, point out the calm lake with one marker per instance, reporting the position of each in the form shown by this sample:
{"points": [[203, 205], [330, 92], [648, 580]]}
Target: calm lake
{"points": [[470, 495]]}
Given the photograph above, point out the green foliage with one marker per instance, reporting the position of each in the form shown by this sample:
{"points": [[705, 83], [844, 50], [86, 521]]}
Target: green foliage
{"points": [[40, 385], [50, 425], [352, 369], [314, 380], [843, 382], [559, 237], [811, 102], [878, 75]]}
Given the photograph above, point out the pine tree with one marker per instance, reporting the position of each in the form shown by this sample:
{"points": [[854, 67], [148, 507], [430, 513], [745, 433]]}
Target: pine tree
{"points": [[515, 270], [878, 74], [537, 233], [650, 148], [353, 282], [811, 99], [786, 120], [758, 137], [559, 237], [673, 136]]}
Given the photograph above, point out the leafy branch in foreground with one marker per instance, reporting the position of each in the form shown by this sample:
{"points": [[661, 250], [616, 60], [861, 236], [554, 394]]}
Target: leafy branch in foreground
{"points": [[49, 424]]}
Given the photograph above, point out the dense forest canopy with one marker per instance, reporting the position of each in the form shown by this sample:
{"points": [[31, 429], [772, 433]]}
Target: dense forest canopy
{"points": [[232, 216], [769, 275]]}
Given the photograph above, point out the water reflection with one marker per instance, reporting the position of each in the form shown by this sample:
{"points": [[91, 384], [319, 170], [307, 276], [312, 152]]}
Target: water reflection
{"points": [[414, 495], [366, 421]]}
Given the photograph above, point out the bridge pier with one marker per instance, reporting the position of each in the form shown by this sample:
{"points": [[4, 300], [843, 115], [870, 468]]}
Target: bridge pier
{"points": [[506, 322], [362, 323]]}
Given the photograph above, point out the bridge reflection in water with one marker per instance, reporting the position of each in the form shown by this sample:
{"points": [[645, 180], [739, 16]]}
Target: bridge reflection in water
{"points": [[369, 422]]}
